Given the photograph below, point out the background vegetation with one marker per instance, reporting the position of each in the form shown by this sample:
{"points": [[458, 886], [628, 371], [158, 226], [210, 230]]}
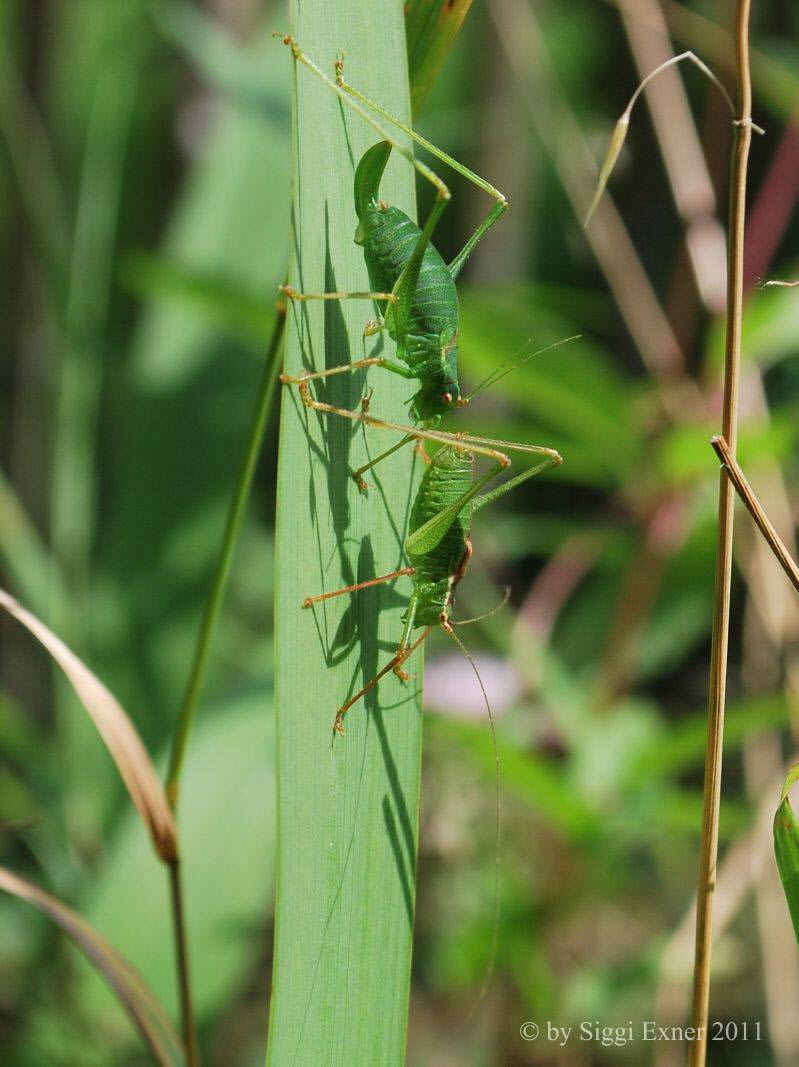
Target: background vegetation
{"points": [[143, 230]]}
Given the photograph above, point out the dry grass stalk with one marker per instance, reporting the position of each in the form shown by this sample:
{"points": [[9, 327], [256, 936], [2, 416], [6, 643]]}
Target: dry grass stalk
{"points": [[115, 728], [755, 509], [721, 610], [131, 991]]}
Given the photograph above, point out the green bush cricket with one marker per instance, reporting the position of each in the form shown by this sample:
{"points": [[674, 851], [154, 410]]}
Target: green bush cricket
{"points": [[412, 285]]}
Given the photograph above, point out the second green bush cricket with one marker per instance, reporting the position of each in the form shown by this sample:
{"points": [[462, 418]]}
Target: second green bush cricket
{"points": [[412, 285], [438, 544]]}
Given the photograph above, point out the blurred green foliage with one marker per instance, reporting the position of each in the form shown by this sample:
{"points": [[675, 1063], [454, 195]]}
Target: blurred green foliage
{"points": [[144, 163]]}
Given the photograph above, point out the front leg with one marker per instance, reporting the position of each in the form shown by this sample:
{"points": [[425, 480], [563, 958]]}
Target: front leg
{"points": [[358, 364], [295, 294]]}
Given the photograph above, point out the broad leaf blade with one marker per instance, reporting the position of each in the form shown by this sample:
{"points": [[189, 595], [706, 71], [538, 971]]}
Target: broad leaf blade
{"points": [[430, 27], [347, 812]]}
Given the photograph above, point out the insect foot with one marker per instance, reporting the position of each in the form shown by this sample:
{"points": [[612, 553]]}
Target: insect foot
{"points": [[289, 40]]}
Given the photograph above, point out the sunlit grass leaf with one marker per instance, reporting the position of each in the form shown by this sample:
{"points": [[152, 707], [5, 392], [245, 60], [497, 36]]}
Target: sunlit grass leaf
{"points": [[115, 728], [131, 991], [347, 813], [786, 848], [430, 29]]}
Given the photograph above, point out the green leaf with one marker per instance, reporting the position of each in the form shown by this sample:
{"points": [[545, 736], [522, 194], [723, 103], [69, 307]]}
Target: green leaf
{"points": [[681, 748], [531, 779], [223, 225], [348, 812], [786, 848], [430, 28], [227, 844], [186, 384]]}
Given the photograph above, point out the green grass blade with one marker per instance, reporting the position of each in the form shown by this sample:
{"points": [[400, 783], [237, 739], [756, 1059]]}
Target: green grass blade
{"points": [[786, 848], [347, 812], [430, 27]]}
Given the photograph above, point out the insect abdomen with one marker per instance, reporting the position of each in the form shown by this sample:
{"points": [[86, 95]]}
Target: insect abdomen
{"points": [[388, 246], [447, 478]]}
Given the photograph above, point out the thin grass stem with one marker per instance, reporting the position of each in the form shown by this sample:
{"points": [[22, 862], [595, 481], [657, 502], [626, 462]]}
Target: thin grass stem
{"points": [[721, 607], [238, 506], [755, 509], [194, 685], [183, 969]]}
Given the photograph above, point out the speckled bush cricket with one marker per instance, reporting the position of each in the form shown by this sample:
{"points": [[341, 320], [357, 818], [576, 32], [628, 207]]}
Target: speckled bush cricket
{"points": [[412, 285]]}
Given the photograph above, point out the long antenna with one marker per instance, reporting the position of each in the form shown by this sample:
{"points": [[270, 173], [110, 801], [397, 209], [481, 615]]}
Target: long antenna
{"points": [[487, 614], [509, 364], [492, 959]]}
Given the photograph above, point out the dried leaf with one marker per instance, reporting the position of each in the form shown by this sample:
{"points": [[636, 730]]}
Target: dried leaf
{"points": [[132, 992], [115, 728], [620, 132], [616, 143]]}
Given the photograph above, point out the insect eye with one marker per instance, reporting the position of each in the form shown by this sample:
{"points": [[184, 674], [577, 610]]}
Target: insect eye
{"points": [[447, 398]]}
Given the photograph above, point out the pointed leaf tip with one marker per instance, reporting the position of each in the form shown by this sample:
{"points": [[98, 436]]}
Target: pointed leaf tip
{"points": [[786, 848], [615, 147]]}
